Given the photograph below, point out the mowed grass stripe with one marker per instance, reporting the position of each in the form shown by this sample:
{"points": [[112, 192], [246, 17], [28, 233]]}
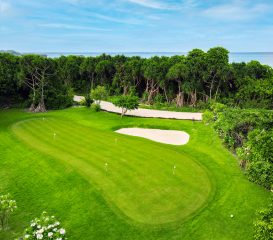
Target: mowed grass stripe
{"points": [[163, 195]]}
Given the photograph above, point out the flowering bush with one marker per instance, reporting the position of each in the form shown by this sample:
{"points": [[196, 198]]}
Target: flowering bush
{"points": [[45, 227], [7, 206]]}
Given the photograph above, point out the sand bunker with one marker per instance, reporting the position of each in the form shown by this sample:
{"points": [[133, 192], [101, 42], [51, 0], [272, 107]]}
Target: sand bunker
{"points": [[163, 136]]}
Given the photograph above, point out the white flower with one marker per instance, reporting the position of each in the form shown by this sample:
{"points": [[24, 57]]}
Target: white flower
{"points": [[62, 231], [39, 236], [59, 239], [33, 224], [57, 223], [55, 229], [50, 234], [41, 230], [27, 236], [39, 226]]}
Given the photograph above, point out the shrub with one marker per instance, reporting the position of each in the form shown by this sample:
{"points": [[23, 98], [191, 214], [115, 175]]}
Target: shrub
{"points": [[95, 107], [263, 227], [7, 206], [88, 101], [45, 227], [249, 133]]}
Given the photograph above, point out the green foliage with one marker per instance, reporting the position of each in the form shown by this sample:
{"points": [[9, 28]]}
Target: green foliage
{"points": [[99, 93], [257, 151], [126, 102], [186, 80], [264, 225], [46, 227], [95, 107], [250, 134], [7, 207], [88, 100]]}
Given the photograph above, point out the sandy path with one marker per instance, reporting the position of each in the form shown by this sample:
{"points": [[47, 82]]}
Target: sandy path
{"points": [[149, 113], [163, 136]]}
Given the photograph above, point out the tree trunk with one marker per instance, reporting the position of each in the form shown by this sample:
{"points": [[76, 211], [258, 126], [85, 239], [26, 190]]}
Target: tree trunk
{"points": [[193, 98], [123, 112], [166, 95], [41, 106], [125, 90], [32, 107], [180, 99]]}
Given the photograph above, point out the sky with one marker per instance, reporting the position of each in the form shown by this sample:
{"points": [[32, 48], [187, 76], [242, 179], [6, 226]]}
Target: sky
{"points": [[135, 25]]}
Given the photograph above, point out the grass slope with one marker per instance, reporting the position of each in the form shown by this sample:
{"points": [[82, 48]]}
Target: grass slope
{"points": [[138, 197]]}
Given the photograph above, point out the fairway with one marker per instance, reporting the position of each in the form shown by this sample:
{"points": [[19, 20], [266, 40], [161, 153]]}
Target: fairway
{"points": [[105, 185]]}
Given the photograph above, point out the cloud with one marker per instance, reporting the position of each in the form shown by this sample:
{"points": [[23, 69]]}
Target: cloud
{"points": [[236, 11], [5, 8], [165, 5], [70, 26], [150, 4], [130, 21]]}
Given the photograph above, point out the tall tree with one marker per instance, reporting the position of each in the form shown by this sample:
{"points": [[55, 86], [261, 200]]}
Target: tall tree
{"points": [[217, 66], [179, 73]]}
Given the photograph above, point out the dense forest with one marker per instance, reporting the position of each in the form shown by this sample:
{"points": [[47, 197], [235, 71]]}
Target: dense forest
{"points": [[39, 82]]}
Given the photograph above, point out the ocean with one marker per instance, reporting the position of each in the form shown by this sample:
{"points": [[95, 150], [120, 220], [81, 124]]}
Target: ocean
{"points": [[262, 57]]}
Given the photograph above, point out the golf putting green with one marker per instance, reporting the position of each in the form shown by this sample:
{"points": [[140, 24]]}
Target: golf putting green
{"points": [[135, 177]]}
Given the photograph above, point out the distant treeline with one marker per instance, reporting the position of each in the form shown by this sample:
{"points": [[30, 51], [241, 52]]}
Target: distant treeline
{"points": [[194, 79]]}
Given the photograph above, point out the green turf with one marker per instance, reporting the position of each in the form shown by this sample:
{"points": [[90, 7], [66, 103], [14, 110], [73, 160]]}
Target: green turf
{"points": [[138, 197]]}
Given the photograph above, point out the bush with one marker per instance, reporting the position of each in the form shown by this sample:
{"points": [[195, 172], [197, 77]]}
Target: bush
{"points": [[7, 206], [249, 133], [95, 107], [45, 227], [257, 152], [263, 227], [88, 101]]}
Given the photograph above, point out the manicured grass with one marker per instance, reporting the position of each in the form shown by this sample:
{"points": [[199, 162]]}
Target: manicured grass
{"points": [[136, 196]]}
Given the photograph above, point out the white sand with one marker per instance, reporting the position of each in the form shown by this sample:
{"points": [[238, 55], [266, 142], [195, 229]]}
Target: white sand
{"points": [[163, 136], [149, 113], [78, 98]]}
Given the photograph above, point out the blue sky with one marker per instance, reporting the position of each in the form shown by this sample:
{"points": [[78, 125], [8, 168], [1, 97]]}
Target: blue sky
{"points": [[135, 25]]}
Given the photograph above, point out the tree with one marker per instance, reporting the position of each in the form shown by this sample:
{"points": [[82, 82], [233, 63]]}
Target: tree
{"points": [[152, 73], [104, 71], [68, 69], [8, 77], [126, 102], [7, 206], [217, 66], [87, 69], [197, 69], [99, 93], [179, 73], [35, 72]]}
